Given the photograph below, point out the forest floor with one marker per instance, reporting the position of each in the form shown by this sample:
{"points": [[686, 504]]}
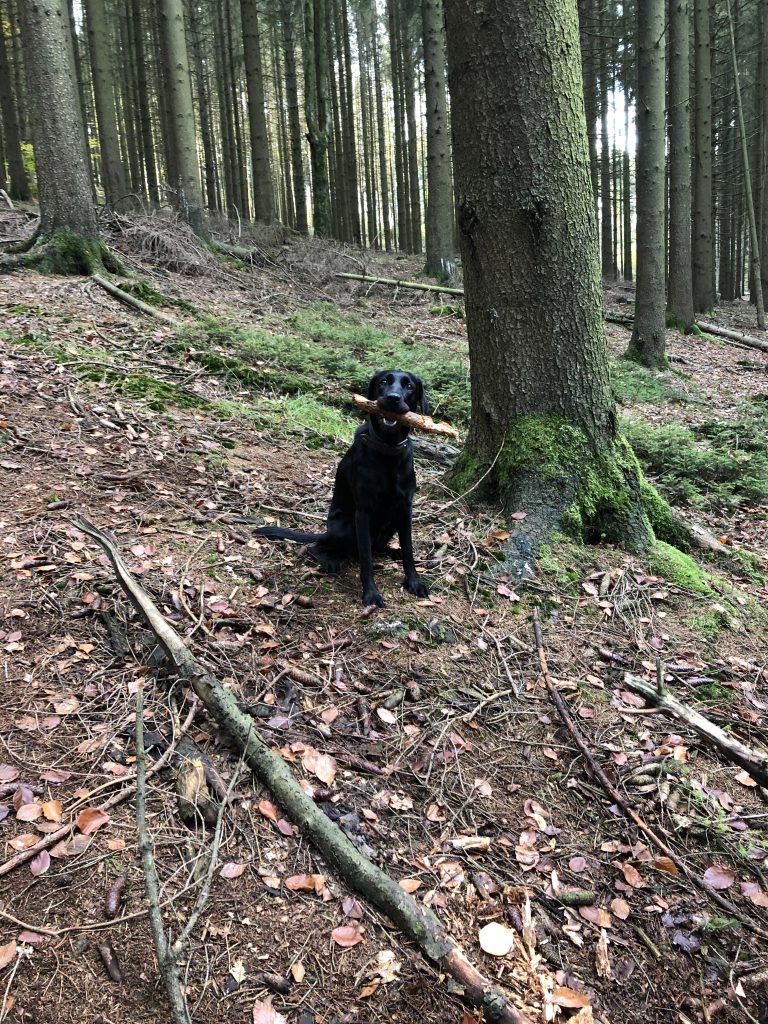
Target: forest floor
{"points": [[446, 761]]}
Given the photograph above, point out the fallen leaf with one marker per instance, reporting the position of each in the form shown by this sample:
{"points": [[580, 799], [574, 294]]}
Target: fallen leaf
{"points": [[754, 894], [29, 812], [568, 997], [90, 819], [386, 716], [264, 1013], [348, 935], [23, 842], [298, 971], [8, 773], [268, 809], [596, 916], [665, 864], [352, 908], [55, 776], [577, 864], [496, 939], [232, 870], [7, 953], [620, 908], [40, 864], [52, 810], [745, 779], [632, 876], [719, 877], [305, 883], [410, 884]]}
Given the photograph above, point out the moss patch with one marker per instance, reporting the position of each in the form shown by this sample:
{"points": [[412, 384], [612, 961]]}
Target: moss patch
{"points": [[631, 383], [678, 568], [68, 254]]}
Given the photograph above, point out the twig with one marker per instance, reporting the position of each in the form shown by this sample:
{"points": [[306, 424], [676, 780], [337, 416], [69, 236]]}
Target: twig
{"points": [[416, 921], [617, 798], [411, 419], [415, 285], [165, 959]]}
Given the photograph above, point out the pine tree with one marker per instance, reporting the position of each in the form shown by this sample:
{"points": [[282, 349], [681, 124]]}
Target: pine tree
{"points": [[19, 185], [263, 202], [703, 254], [680, 298], [439, 234]]}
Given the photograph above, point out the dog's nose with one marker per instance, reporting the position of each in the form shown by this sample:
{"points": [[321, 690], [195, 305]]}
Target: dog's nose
{"points": [[392, 401]]}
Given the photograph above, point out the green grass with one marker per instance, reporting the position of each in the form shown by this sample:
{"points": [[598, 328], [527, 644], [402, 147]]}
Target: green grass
{"points": [[634, 383]]}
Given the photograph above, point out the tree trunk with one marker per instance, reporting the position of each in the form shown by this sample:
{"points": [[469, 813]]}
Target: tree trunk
{"points": [[68, 228], [680, 298], [763, 142], [19, 185], [395, 54], [542, 412], [647, 345], [381, 128], [294, 121], [103, 68], [204, 108], [590, 87], [263, 202], [753, 237], [189, 194], [234, 33], [410, 90], [283, 142], [317, 112], [127, 95], [626, 168], [703, 254], [226, 123], [606, 233], [440, 251]]}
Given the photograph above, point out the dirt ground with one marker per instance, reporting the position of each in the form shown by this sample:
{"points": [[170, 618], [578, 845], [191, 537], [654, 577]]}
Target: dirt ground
{"points": [[424, 731]]}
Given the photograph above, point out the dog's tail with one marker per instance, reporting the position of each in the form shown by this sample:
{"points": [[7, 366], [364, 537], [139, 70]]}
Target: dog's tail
{"points": [[279, 533]]}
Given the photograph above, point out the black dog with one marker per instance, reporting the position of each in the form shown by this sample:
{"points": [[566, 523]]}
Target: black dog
{"points": [[373, 492]]}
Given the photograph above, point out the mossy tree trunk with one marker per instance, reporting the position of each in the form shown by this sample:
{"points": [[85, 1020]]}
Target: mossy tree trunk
{"points": [[648, 342], [542, 411], [68, 237]]}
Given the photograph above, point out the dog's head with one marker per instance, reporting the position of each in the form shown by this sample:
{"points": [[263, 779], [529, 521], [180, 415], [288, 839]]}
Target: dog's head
{"points": [[396, 391]]}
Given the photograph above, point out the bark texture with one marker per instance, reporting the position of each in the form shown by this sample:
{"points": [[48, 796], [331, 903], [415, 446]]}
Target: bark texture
{"points": [[703, 253], [263, 202], [64, 185], [680, 298], [317, 110], [19, 186], [648, 336], [542, 410], [439, 235], [103, 69], [182, 120]]}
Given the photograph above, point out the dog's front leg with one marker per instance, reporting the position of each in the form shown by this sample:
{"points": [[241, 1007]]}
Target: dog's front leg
{"points": [[371, 593], [413, 582]]}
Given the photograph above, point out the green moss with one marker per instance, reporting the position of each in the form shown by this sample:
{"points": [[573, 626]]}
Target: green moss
{"points": [[677, 567], [659, 513], [632, 383], [707, 626]]}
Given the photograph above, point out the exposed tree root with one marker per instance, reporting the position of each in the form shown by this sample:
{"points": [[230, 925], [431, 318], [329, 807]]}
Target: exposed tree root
{"points": [[753, 761], [416, 922], [682, 868]]}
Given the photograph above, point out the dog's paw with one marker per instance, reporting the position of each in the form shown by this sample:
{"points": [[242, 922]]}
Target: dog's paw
{"points": [[416, 585], [373, 598]]}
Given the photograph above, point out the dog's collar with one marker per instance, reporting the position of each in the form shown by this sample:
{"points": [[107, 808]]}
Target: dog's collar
{"points": [[370, 438]]}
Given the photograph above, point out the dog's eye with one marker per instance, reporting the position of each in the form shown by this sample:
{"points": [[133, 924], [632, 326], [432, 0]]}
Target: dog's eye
{"points": [[408, 386]]}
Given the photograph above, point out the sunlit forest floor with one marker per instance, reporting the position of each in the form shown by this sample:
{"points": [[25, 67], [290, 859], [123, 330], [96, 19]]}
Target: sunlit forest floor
{"points": [[439, 728]]}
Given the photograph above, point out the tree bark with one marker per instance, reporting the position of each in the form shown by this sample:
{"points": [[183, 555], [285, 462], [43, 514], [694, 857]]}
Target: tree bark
{"points": [[381, 128], [440, 243], [103, 69], [292, 98], [647, 345], [263, 201], [680, 298], [19, 185], [410, 87], [317, 112], [703, 255], [543, 419], [64, 186], [606, 233], [189, 190], [204, 109]]}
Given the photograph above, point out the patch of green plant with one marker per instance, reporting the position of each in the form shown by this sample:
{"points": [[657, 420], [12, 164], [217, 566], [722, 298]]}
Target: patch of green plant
{"points": [[456, 312], [718, 464], [722, 924], [707, 626], [715, 693], [632, 383], [677, 567]]}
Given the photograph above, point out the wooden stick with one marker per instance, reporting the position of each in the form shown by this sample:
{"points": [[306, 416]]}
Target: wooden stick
{"points": [[619, 800], [415, 285], [753, 761], [131, 300], [413, 419], [417, 922]]}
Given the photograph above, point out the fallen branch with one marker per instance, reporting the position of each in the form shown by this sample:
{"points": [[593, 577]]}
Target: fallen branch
{"points": [[619, 800], [753, 761], [742, 339], [53, 837], [415, 921], [131, 300], [412, 419], [393, 283]]}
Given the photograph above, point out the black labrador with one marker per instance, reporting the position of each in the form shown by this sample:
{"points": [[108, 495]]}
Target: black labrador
{"points": [[373, 491]]}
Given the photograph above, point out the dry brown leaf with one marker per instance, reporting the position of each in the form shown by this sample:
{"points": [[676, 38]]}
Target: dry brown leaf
{"points": [[745, 779], [632, 876], [8, 773], [7, 953], [386, 716], [29, 812], [348, 935], [568, 997], [596, 916], [52, 810], [754, 894], [305, 883], [40, 864], [23, 842], [496, 939], [410, 884], [90, 819], [298, 971], [268, 809], [232, 870], [719, 877], [620, 908], [665, 864]]}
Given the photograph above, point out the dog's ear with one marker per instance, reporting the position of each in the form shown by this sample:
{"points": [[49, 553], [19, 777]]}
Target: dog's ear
{"points": [[373, 384], [421, 396]]}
